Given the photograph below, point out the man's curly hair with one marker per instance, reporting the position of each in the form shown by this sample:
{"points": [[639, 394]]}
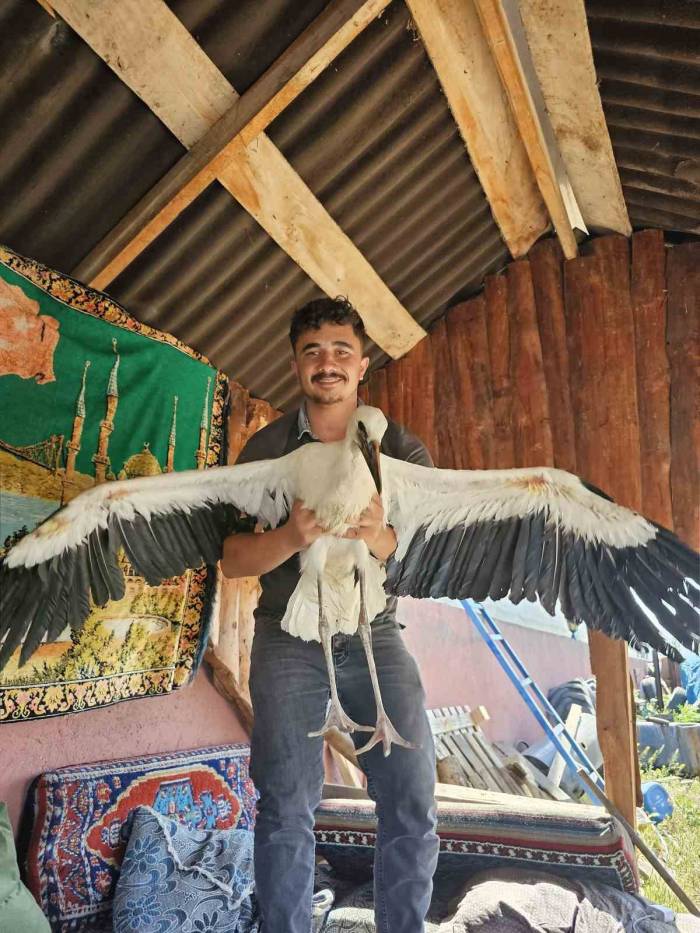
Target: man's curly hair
{"points": [[325, 311]]}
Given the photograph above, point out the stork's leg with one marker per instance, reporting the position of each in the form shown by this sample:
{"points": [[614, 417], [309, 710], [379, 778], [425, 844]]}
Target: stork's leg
{"points": [[384, 731], [337, 717]]}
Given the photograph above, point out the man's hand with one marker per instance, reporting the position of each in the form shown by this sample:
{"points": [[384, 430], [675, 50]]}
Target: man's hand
{"points": [[371, 528], [302, 527]]}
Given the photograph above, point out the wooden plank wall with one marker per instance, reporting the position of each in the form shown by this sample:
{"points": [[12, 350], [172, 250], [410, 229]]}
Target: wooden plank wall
{"points": [[590, 365], [239, 597]]}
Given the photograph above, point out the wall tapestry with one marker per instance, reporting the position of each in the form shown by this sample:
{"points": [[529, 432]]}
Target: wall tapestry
{"points": [[89, 395]]}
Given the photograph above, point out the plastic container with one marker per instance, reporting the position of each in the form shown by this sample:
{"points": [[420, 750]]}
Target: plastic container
{"points": [[657, 801]]}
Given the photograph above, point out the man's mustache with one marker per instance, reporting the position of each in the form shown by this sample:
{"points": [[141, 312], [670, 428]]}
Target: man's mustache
{"points": [[326, 373]]}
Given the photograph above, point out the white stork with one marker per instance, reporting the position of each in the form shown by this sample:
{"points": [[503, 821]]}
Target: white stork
{"points": [[533, 533]]}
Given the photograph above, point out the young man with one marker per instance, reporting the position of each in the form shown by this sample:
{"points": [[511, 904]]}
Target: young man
{"points": [[288, 677]]}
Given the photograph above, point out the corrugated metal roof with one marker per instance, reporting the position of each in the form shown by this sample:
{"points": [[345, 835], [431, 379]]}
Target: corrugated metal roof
{"points": [[648, 60], [372, 137]]}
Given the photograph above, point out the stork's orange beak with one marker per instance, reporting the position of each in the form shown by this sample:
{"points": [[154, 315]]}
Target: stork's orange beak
{"points": [[371, 453]]}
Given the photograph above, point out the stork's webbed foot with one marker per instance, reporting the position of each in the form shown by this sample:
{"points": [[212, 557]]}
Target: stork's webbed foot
{"points": [[337, 718], [385, 733]]}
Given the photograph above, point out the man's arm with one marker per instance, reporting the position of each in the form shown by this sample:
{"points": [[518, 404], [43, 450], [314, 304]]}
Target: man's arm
{"points": [[251, 555]]}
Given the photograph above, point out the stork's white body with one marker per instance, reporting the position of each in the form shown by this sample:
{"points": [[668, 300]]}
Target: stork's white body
{"points": [[334, 481]]}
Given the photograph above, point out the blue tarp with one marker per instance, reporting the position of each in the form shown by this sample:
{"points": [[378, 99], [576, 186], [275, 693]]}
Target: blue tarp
{"points": [[690, 678]]}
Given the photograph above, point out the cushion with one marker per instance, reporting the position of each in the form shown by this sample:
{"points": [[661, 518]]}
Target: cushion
{"points": [[489, 831], [176, 878], [77, 814], [18, 909]]}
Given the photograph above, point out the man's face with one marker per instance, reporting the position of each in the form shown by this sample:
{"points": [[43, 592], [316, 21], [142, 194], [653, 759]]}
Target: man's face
{"points": [[329, 363]]}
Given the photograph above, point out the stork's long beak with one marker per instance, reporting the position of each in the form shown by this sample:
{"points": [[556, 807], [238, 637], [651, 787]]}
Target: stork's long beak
{"points": [[370, 451]]}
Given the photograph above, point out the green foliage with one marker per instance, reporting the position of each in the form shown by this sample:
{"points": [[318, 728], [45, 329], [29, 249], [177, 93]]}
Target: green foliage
{"points": [[676, 840], [687, 712], [651, 771]]}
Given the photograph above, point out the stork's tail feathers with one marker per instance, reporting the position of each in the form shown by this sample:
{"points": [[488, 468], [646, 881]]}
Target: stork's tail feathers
{"points": [[341, 597]]}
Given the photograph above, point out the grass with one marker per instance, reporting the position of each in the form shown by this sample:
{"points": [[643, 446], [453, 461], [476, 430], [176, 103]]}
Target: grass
{"points": [[676, 840]]}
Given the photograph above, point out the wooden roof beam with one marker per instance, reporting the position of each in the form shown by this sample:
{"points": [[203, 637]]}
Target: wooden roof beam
{"points": [[250, 115], [456, 44], [152, 52], [503, 30], [562, 57]]}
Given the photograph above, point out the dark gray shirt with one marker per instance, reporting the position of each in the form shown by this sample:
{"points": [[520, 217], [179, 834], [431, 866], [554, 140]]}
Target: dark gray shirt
{"points": [[282, 437]]}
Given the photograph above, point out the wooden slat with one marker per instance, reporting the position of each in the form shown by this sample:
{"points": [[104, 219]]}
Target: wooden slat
{"points": [[476, 778], [501, 42], [465, 445], [466, 327], [396, 390], [152, 52], [558, 766], [379, 390], [447, 427], [498, 329], [560, 46], [460, 719], [422, 395], [250, 114], [532, 436], [648, 283], [683, 278], [456, 45], [546, 266], [621, 428]]}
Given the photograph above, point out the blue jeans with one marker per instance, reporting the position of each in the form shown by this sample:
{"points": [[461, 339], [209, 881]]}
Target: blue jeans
{"points": [[290, 690]]}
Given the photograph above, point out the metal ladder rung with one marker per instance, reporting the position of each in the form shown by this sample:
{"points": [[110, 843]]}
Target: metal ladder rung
{"points": [[538, 704]]}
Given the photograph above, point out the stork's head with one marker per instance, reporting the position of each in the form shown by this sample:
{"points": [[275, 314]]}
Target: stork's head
{"points": [[366, 428]]}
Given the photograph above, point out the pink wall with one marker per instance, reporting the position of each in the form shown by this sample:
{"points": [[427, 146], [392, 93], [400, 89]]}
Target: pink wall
{"points": [[456, 666], [194, 716], [459, 669]]}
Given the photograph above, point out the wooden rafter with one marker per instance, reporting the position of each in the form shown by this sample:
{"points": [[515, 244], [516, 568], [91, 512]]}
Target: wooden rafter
{"points": [[152, 52], [462, 59], [562, 57], [499, 35], [250, 115]]}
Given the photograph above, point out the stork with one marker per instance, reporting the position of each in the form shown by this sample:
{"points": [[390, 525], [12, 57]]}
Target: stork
{"points": [[535, 533]]}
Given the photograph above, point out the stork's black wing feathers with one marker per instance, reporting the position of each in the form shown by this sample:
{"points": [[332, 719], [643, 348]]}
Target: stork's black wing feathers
{"points": [[165, 525], [541, 534]]}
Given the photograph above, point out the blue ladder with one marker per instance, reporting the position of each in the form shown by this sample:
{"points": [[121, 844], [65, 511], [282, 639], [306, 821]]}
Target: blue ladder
{"points": [[535, 700]]}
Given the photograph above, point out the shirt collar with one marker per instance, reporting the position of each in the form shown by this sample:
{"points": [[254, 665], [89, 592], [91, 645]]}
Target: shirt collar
{"points": [[303, 424]]}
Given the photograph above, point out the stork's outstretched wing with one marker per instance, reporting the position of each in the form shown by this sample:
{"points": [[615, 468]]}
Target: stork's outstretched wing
{"points": [[540, 533], [165, 524]]}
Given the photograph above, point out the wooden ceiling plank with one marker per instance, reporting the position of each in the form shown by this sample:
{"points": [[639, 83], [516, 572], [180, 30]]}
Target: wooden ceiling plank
{"points": [[249, 115], [560, 47], [457, 47], [501, 41], [152, 52]]}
